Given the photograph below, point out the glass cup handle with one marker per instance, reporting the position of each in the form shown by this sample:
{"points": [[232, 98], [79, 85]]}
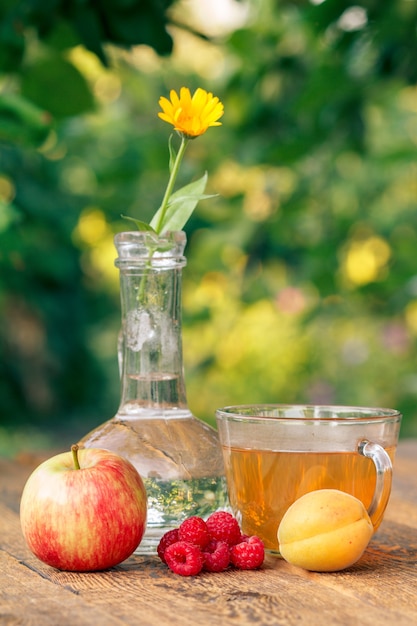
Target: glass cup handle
{"points": [[383, 468]]}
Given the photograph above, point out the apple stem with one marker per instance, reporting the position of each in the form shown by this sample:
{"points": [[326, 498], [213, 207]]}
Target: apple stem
{"points": [[74, 450]]}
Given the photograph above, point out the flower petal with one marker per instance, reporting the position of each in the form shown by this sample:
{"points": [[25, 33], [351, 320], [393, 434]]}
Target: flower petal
{"points": [[191, 115]]}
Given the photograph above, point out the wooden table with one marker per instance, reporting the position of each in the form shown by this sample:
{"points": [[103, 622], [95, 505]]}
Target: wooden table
{"points": [[381, 589]]}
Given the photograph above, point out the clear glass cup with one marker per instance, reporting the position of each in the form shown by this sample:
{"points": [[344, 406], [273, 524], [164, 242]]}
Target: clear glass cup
{"points": [[273, 454]]}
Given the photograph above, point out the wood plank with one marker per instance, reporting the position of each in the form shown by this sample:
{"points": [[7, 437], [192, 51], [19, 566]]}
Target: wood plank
{"points": [[380, 588], [134, 589], [228, 598], [26, 598]]}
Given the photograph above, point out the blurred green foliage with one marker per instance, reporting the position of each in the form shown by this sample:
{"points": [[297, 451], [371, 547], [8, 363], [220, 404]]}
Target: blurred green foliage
{"points": [[301, 284]]}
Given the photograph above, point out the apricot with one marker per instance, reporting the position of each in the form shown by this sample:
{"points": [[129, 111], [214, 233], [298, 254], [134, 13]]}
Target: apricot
{"points": [[326, 530]]}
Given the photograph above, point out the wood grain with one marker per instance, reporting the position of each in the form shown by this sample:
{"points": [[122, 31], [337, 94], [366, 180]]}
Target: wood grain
{"points": [[380, 589]]}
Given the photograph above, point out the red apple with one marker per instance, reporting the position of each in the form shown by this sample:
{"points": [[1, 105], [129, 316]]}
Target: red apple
{"points": [[83, 510]]}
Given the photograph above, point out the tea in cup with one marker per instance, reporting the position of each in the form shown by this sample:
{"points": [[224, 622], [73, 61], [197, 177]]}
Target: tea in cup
{"points": [[274, 454]]}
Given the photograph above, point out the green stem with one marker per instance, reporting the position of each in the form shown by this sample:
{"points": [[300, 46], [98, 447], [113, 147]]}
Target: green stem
{"points": [[165, 204], [171, 183], [74, 450]]}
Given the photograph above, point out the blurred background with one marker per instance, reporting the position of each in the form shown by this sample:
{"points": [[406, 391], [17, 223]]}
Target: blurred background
{"points": [[301, 283]]}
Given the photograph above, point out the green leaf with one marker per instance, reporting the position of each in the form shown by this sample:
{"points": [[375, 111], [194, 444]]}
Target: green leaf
{"points": [[21, 122], [181, 205], [203, 196], [54, 84], [143, 226], [88, 25]]}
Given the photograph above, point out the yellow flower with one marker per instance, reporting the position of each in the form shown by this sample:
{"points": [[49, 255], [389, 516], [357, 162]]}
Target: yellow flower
{"points": [[191, 115]]}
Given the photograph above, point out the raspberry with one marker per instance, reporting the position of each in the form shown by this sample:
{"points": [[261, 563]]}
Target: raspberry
{"points": [[184, 558], [248, 554], [224, 527], [171, 536], [194, 530], [216, 556]]}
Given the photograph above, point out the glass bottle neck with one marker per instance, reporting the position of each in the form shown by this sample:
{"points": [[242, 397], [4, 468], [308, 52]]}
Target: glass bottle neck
{"points": [[152, 377]]}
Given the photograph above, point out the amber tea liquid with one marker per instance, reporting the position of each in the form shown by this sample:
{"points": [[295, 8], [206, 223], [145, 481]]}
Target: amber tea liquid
{"points": [[262, 484]]}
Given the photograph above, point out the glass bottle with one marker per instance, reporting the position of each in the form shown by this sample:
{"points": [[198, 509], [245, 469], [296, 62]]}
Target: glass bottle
{"points": [[177, 455]]}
